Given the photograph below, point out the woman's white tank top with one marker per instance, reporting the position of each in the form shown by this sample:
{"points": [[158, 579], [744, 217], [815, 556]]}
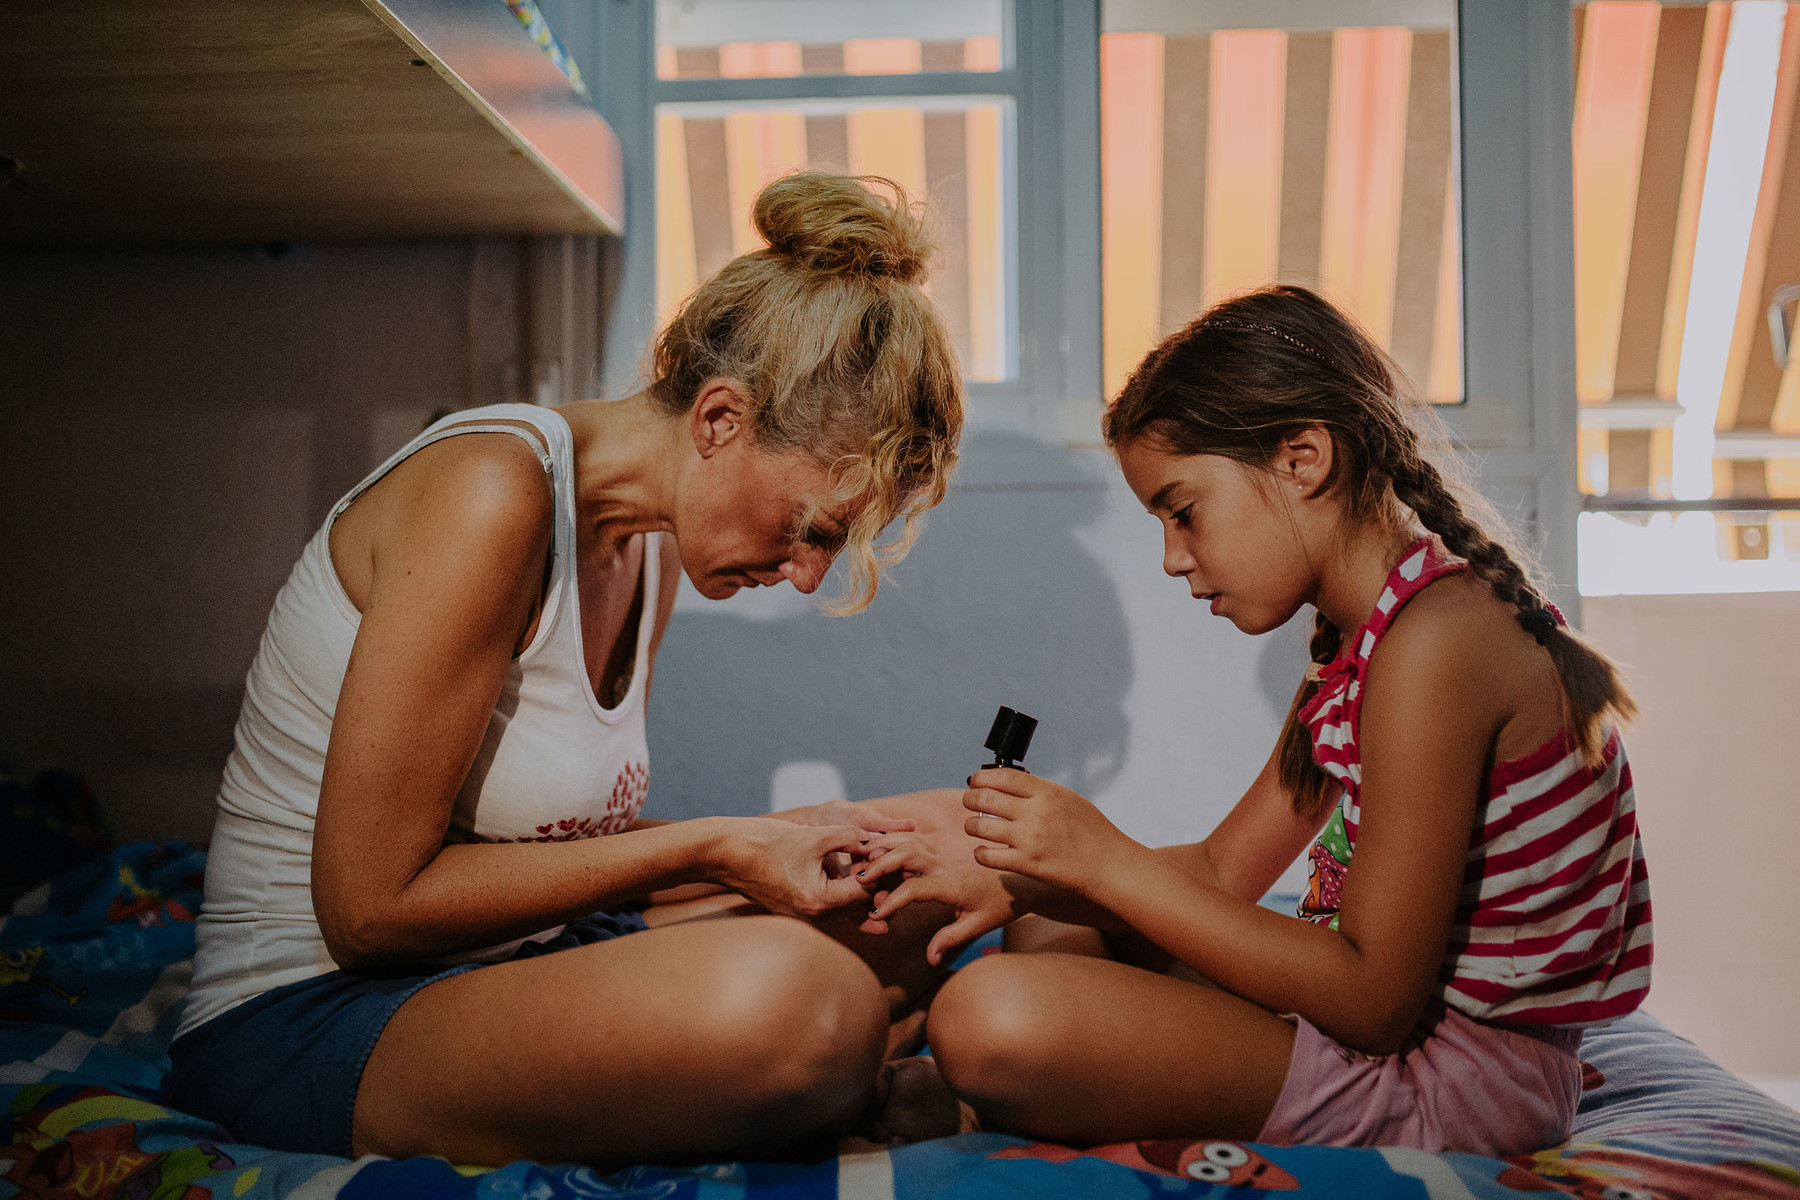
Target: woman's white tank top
{"points": [[554, 765]]}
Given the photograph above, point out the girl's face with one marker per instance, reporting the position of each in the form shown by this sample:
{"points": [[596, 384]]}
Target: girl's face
{"points": [[1234, 533]]}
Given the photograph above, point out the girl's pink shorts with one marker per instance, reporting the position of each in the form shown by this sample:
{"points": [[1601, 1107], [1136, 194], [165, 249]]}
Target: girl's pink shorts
{"points": [[1457, 1084]]}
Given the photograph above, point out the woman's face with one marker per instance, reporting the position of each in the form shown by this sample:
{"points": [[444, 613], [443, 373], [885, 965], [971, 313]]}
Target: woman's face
{"points": [[1227, 530], [742, 520]]}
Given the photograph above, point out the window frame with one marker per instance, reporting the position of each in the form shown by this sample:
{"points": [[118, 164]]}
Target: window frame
{"points": [[1050, 177], [1514, 83]]}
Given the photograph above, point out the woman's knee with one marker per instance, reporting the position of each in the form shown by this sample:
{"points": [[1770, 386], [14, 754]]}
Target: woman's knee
{"points": [[794, 1013]]}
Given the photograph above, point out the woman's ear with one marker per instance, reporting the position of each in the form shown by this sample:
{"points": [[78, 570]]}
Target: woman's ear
{"points": [[1304, 461], [719, 415]]}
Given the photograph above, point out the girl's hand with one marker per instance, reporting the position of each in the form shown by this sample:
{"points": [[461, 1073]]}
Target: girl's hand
{"points": [[843, 812], [903, 867], [1044, 830], [786, 868]]}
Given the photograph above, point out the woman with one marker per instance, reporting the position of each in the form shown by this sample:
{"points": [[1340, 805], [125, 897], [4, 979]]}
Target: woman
{"points": [[411, 941]]}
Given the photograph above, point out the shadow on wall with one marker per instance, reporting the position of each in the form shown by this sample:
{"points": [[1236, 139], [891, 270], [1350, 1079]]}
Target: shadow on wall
{"points": [[762, 701]]}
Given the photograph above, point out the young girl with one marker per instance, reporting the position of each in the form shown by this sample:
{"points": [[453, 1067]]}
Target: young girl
{"points": [[1453, 739]]}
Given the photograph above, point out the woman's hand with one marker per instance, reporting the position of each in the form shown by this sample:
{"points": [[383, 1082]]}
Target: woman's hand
{"points": [[785, 867], [1045, 831], [901, 868]]}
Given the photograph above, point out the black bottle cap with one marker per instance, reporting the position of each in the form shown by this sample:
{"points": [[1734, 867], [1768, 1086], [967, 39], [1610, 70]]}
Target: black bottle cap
{"points": [[1010, 737]]}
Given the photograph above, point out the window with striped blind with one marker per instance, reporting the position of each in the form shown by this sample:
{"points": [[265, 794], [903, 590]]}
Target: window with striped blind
{"points": [[1687, 243], [1238, 151], [948, 146]]}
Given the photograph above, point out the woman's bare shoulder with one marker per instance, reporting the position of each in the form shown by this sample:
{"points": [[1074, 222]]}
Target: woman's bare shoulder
{"points": [[484, 494]]}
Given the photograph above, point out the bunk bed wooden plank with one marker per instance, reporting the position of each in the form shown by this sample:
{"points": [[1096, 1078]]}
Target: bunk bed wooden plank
{"points": [[194, 121]]}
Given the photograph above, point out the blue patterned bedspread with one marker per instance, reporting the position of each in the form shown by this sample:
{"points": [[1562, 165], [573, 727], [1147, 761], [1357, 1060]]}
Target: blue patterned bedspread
{"points": [[94, 963]]}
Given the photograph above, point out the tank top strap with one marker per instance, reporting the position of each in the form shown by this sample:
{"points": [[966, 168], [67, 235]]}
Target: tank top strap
{"points": [[494, 418], [1425, 562]]}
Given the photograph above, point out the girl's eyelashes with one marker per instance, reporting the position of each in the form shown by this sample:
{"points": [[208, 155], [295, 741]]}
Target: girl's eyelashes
{"points": [[1183, 516]]}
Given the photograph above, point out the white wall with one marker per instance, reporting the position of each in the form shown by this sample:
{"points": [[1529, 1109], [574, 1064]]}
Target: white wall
{"points": [[1713, 761]]}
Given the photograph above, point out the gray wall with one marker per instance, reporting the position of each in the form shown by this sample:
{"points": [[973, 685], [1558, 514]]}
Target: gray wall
{"points": [[1045, 596], [177, 423]]}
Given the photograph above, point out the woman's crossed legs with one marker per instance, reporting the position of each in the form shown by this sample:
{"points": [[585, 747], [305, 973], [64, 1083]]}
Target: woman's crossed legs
{"points": [[695, 1038], [707, 1038]]}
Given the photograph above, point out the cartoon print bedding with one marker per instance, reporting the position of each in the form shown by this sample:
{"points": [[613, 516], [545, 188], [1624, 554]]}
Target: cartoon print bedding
{"points": [[93, 963]]}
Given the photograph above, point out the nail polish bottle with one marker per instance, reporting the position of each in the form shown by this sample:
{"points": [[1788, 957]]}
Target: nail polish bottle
{"points": [[1010, 738]]}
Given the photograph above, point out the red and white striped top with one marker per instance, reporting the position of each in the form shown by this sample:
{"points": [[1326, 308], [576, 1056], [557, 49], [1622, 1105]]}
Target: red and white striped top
{"points": [[1553, 926]]}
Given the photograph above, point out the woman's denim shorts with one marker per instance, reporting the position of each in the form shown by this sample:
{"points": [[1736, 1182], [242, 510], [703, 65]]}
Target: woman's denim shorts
{"points": [[281, 1070]]}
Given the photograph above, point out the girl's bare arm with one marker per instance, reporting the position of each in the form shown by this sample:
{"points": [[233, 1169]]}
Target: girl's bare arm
{"points": [[1243, 856], [1426, 737]]}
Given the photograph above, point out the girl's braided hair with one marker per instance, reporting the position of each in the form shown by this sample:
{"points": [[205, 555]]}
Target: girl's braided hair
{"points": [[1257, 369]]}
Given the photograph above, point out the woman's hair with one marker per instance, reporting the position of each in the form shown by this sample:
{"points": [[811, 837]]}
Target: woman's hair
{"points": [[844, 357], [1257, 369]]}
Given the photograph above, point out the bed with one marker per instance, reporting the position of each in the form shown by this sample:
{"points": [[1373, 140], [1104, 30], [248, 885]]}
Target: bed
{"points": [[95, 958]]}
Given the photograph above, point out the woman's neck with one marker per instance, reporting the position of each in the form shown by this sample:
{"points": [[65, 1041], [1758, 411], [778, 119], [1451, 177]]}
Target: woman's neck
{"points": [[1357, 568], [625, 467]]}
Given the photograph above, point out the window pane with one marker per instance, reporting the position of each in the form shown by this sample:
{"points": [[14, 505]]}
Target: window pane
{"points": [[746, 39], [1687, 222], [713, 158], [1235, 155]]}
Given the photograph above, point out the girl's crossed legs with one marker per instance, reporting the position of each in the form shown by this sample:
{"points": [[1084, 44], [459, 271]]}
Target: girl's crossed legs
{"points": [[1079, 1048]]}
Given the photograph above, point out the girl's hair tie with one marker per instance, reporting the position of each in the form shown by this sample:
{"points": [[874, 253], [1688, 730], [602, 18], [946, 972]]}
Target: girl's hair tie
{"points": [[1540, 623], [1229, 322]]}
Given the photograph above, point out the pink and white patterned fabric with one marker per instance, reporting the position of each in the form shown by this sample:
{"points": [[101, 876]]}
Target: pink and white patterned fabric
{"points": [[1553, 926]]}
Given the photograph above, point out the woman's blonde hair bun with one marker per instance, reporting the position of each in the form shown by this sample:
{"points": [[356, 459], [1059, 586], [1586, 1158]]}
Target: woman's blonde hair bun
{"points": [[844, 224], [847, 360]]}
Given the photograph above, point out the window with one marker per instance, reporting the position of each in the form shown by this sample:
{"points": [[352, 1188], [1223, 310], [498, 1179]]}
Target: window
{"points": [[1687, 231], [1410, 157], [1240, 149], [750, 89]]}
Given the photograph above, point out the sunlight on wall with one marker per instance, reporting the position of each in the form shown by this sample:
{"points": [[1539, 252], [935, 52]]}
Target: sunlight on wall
{"points": [[1672, 554]]}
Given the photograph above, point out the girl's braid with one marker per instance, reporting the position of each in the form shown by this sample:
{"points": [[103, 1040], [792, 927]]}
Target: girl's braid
{"points": [[1592, 687], [1418, 485], [1309, 785]]}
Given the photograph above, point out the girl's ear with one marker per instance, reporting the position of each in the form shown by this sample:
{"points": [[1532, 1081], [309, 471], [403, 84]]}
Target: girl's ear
{"points": [[1304, 461]]}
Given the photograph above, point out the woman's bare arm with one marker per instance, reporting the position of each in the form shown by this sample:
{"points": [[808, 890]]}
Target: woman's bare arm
{"points": [[457, 552]]}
